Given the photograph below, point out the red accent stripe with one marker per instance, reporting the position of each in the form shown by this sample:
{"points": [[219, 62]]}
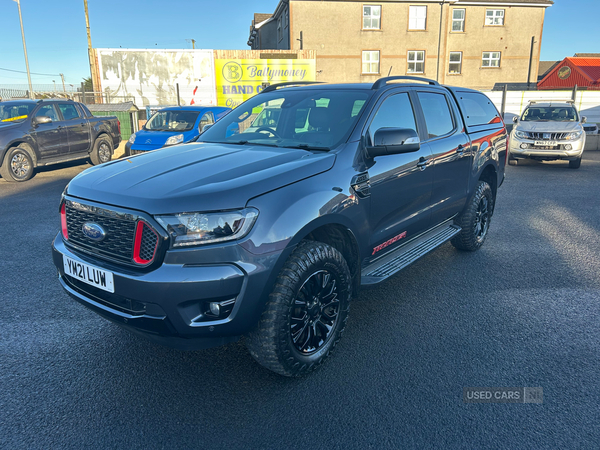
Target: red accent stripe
{"points": [[139, 231], [63, 222]]}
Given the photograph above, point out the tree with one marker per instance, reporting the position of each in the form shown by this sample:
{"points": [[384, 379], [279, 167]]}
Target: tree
{"points": [[87, 84]]}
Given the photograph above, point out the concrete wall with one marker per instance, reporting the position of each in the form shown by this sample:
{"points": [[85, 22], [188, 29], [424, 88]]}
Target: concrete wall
{"points": [[334, 30]]}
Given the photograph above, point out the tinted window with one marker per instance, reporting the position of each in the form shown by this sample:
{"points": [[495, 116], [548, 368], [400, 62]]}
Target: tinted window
{"points": [[438, 117], [478, 109], [68, 111], [15, 112], [395, 112], [172, 120], [86, 111], [206, 119], [292, 118], [48, 111]]}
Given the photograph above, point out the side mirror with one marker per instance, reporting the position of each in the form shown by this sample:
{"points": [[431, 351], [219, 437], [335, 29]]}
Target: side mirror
{"points": [[392, 141], [583, 119], [41, 119], [206, 127], [515, 119]]}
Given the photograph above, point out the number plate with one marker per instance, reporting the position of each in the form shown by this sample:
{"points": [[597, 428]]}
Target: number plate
{"points": [[546, 143], [89, 274]]}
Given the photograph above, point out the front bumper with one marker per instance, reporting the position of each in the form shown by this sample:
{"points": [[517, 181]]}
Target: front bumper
{"points": [[166, 305], [541, 153]]}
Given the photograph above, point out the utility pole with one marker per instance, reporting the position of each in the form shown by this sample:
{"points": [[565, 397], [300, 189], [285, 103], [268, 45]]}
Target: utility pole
{"points": [[437, 73], [25, 50], [530, 61], [62, 77], [90, 51], [193, 41]]}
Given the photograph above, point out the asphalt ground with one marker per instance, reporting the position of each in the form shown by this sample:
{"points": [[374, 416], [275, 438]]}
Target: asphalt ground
{"points": [[521, 312]]}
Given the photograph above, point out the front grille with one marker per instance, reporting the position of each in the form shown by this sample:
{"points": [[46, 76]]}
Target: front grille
{"points": [[589, 128], [553, 136], [148, 244]]}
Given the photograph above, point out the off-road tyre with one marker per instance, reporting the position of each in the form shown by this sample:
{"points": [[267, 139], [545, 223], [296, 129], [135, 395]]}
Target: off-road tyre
{"points": [[17, 164], [475, 220], [271, 342], [575, 164], [102, 151]]}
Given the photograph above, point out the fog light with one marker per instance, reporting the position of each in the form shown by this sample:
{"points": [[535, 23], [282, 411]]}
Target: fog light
{"points": [[524, 145], [215, 308], [568, 147]]}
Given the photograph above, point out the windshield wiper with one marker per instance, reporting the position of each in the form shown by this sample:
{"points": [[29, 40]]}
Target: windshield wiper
{"points": [[309, 147]]}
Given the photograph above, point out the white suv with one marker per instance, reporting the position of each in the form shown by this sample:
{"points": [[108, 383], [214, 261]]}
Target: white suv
{"points": [[548, 131]]}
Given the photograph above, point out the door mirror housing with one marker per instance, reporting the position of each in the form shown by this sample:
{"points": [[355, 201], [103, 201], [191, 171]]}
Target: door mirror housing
{"points": [[41, 119], [583, 119], [515, 119], [392, 141], [206, 127]]}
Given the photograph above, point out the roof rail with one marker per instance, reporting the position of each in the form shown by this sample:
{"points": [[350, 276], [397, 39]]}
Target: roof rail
{"points": [[274, 87], [384, 81], [551, 100]]}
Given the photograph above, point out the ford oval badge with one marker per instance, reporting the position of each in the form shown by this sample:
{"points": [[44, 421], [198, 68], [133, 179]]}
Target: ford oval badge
{"points": [[93, 231]]}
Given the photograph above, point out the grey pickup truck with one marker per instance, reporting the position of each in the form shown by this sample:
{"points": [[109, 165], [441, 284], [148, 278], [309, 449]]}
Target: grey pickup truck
{"points": [[269, 232], [37, 133]]}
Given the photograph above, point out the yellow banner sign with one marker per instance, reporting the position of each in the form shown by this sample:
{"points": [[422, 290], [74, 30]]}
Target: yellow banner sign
{"points": [[240, 79]]}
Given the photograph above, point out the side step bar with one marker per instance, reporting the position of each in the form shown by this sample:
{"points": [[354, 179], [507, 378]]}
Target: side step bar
{"points": [[397, 260]]}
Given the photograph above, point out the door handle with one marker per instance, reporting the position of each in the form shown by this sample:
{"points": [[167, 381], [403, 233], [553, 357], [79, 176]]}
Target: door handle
{"points": [[460, 150], [423, 163]]}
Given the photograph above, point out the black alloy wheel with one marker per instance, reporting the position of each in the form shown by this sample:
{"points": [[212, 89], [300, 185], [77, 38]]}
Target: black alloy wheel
{"points": [[314, 314], [482, 219]]}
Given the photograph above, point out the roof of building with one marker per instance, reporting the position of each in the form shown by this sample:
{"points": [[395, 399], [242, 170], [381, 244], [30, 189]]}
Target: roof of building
{"points": [[545, 67], [260, 17], [458, 2], [586, 71], [586, 55]]}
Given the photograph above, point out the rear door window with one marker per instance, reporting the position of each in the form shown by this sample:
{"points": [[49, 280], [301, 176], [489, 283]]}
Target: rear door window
{"points": [[438, 116], [69, 112]]}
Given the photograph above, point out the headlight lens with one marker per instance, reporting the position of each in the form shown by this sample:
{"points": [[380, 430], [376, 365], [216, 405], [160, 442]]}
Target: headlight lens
{"points": [[522, 134], [174, 139], [574, 135], [131, 138], [207, 228]]}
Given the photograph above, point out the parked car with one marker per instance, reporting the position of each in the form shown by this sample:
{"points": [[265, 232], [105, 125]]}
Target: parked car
{"points": [[269, 233], [37, 133], [591, 128], [548, 131], [173, 125]]}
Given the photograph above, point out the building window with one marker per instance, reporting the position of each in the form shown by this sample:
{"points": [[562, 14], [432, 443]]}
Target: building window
{"points": [[416, 62], [494, 17], [286, 18], [279, 29], [371, 17], [490, 59], [370, 62], [458, 20], [455, 63], [417, 17]]}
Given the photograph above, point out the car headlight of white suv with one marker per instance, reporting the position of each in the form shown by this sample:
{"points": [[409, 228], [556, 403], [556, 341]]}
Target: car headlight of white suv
{"points": [[574, 135], [521, 134]]}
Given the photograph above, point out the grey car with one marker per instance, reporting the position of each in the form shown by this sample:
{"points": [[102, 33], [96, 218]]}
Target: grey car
{"points": [[548, 131]]}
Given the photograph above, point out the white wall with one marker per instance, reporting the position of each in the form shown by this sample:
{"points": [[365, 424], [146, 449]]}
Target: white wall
{"points": [[587, 102]]}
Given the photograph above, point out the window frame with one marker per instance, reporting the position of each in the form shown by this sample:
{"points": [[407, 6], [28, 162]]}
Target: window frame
{"points": [[491, 59], [463, 20], [279, 29], [451, 108], [211, 118], [408, 61], [454, 62], [409, 15], [485, 18], [362, 26], [68, 104], [362, 61]]}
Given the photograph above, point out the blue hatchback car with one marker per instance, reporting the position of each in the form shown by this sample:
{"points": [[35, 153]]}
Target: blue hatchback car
{"points": [[173, 125]]}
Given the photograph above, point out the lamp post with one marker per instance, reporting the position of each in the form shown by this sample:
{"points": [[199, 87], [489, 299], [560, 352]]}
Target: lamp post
{"points": [[25, 50]]}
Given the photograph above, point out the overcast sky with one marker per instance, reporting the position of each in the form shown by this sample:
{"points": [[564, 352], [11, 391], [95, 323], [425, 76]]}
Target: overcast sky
{"points": [[56, 37]]}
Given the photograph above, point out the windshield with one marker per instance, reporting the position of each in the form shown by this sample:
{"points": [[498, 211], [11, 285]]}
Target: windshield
{"points": [[172, 121], [310, 119], [15, 112], [550, 113]]}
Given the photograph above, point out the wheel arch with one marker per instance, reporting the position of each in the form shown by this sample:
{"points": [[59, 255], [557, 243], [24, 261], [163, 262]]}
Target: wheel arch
{"points": [[17, 142]]}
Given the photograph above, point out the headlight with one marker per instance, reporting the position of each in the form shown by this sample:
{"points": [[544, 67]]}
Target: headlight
{"points": [[174, 139], [521, 134], [574, 135], [131, 138], [207, 228]]}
